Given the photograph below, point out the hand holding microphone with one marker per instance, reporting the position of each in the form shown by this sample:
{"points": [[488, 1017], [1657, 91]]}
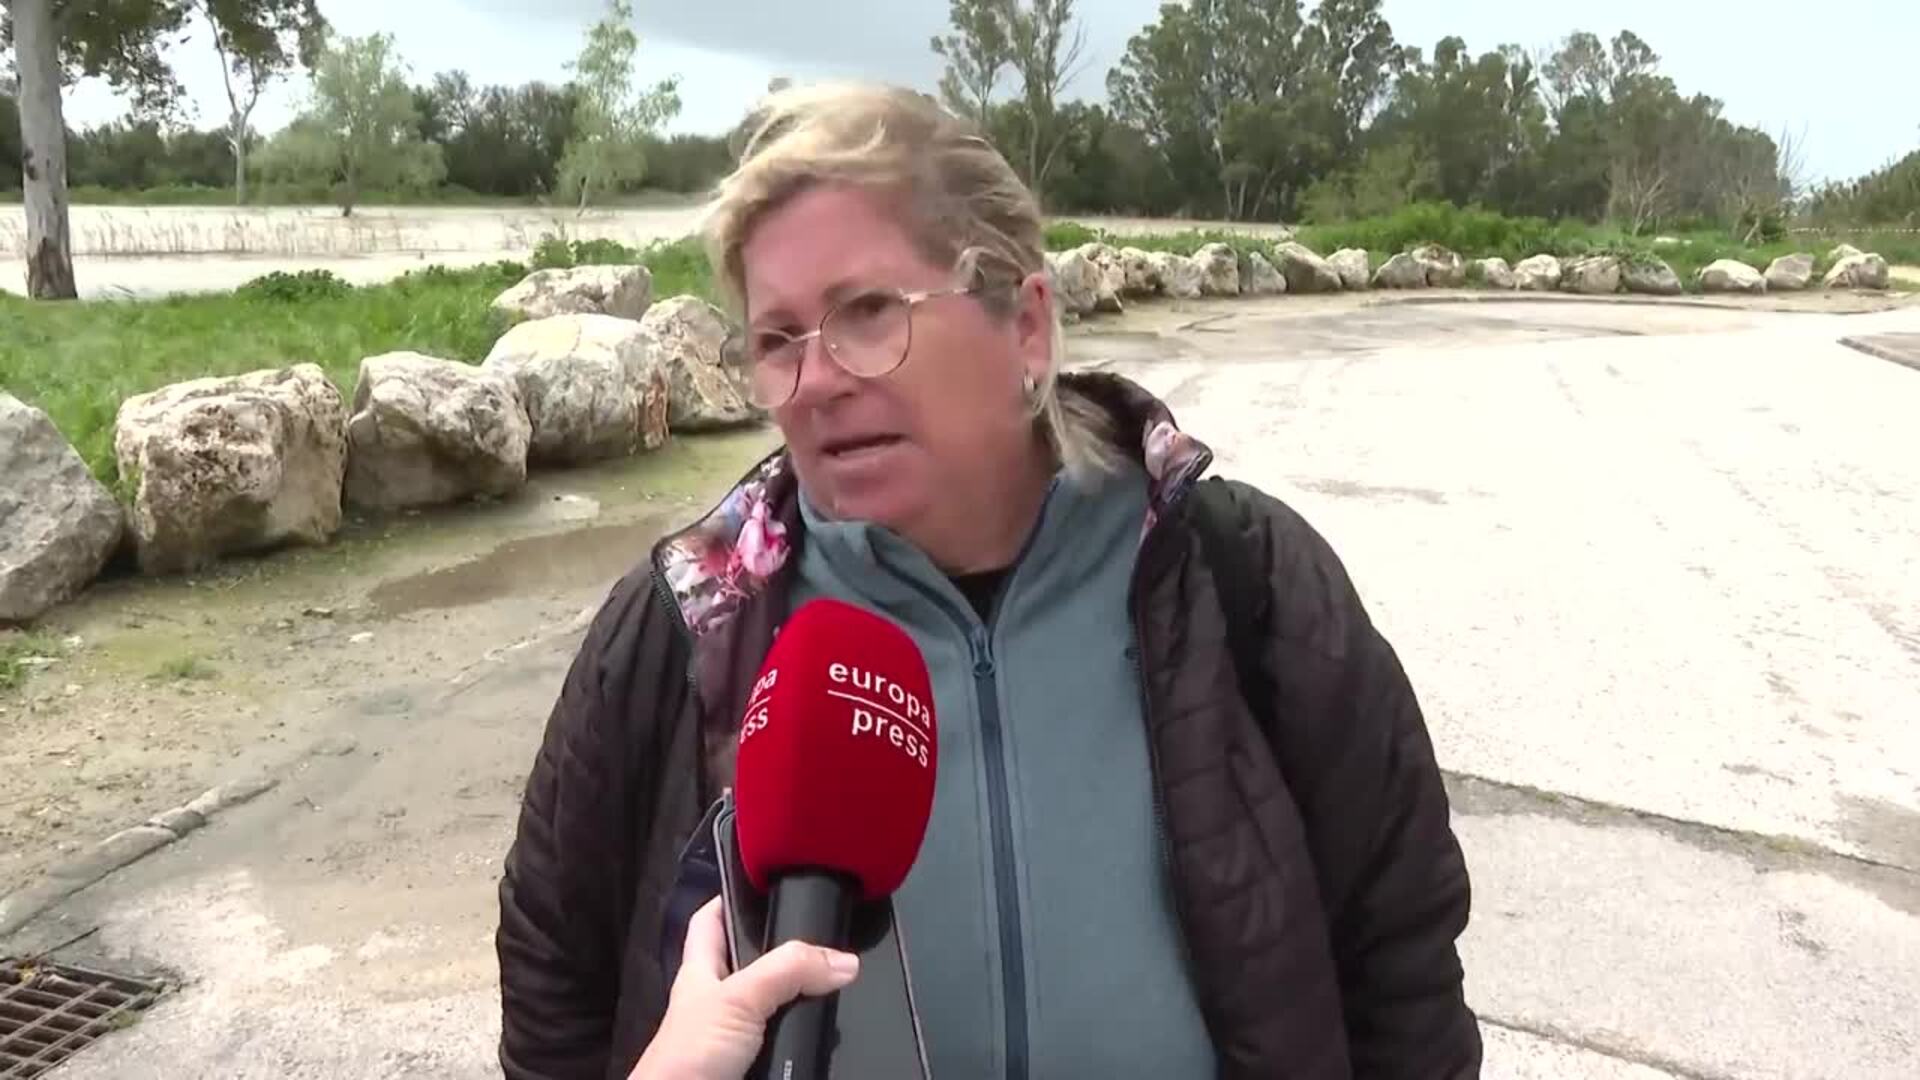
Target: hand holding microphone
{"points": [[833, 787], [716, 1022]]}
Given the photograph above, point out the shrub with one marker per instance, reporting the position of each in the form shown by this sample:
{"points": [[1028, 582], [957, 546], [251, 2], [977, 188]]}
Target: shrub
{"points": [[555, 251], [679, 267], [552, 253], [505, 272], [302, 287], [1472, 232], [1067, 235], [603, 253]]}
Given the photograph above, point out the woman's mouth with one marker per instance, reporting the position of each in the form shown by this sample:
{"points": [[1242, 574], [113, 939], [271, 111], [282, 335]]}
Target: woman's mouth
{"points": [[857, 447]]}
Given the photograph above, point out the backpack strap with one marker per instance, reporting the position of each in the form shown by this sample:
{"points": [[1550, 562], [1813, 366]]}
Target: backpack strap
{"points": [[1244, 594]]}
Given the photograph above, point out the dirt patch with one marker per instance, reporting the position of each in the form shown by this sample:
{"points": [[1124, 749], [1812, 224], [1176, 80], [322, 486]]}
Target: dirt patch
{"points": [[178, 684]]}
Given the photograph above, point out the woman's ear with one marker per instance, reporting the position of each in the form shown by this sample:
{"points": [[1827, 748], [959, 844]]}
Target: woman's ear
{"points": [[1033, 322]]}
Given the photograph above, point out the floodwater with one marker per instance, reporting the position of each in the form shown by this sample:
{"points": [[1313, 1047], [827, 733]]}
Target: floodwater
{"points": [[146, 251], [562, 560]]}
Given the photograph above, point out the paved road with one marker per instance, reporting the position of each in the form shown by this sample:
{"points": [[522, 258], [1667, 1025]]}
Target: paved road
{"points": [[1648, 568], [1657, 591]]}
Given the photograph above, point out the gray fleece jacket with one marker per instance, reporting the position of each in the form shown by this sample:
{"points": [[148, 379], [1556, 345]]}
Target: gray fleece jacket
{"points": [[1038, 919]]}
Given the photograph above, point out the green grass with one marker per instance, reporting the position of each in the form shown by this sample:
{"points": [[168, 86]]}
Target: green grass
{"points": [[15, 649], [679, 268], [1473, 233], [80, 361]]}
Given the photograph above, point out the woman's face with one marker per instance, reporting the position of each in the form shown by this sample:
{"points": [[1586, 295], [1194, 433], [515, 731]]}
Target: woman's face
{"points": [[937, 427]]}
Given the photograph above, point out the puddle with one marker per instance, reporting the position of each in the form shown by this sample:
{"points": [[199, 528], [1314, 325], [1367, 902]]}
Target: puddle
{"points": [[565, 560]]}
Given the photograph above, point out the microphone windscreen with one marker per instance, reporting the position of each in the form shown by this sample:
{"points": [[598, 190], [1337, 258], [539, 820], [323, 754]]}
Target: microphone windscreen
{"points": [[837, 751]]}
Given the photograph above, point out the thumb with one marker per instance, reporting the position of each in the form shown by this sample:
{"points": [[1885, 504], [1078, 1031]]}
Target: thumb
{"points": [[703, 954], [792, 970]]}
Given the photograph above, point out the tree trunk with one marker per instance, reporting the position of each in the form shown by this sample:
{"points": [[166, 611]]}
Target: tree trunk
{"points": [[237, 142], [43, 139]]}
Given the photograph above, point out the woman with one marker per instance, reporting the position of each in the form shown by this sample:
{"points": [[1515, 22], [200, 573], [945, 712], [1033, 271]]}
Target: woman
{"points": [[1136, 867]]}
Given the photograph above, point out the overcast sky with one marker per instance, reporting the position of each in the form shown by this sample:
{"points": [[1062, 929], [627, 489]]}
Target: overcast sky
{"points": [[1839, 73]]}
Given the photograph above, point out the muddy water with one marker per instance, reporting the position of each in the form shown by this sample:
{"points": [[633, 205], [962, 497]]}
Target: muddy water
{"points": [[565, 560]]}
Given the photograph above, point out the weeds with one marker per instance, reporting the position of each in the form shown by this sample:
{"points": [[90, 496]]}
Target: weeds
{"points": [[679, 267], [185, 669], [305, 286], [1473, 233], [21, 653], [1067, 235]]}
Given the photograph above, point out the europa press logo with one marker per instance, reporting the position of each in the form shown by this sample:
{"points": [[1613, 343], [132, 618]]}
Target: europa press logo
{"points": [[757, 716], [884, 709], [875, 707], [846, 676]]}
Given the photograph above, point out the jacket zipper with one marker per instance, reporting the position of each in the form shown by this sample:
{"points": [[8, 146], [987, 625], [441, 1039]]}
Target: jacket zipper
{"points": [[1013, 960]]}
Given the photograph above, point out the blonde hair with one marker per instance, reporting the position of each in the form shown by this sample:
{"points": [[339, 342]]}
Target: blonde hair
{"points": [[961, 202]]}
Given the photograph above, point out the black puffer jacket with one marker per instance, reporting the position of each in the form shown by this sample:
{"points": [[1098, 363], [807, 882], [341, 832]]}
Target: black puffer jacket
{"points": [[1318, 881]]}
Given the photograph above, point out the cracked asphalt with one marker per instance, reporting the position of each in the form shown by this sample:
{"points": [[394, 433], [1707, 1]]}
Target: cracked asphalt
{"points": [[1650, 569]]}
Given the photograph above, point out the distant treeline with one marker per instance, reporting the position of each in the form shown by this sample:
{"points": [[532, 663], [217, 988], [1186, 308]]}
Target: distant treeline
{"points": [[1220, 109], [497, 141], [1888, 196]]}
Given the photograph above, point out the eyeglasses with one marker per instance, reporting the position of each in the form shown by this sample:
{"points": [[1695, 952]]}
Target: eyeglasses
{"points": [[868, 335]]}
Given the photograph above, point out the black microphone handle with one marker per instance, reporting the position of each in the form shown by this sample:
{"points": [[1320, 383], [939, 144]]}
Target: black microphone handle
{"points": [[815, 907]]}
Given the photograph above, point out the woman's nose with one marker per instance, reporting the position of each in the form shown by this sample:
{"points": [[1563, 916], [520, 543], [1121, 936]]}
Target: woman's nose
{"points": [[821, 378]]}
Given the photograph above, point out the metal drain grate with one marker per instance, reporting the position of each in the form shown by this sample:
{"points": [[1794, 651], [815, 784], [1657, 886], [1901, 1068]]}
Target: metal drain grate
{"points": [[48, 1012]]}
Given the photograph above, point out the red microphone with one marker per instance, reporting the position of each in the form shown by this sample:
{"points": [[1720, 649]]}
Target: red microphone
{"points": [[833, 786]]}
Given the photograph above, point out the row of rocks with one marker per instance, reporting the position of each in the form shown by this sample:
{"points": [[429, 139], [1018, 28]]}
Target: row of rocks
{"points": [[269, 458], [1099, 278]]}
